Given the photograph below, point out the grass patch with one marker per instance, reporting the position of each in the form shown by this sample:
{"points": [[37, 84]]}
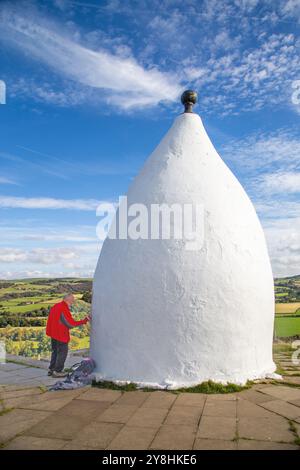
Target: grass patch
{"points": [[5, 410], [287, 326], [113, 386], [211, 387], [293, 429], [282, 347], [279, 370]]}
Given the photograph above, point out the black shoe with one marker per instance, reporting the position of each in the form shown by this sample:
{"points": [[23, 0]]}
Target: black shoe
{"points": [[50, 372]]}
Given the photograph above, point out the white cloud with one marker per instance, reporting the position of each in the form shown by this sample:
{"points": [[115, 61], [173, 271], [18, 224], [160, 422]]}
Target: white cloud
{"points": [[281, 182], [252, 79], [8, 255], [291, 8], [279, 149], [4, 180], [48, 203], [126, 82], [283, 237], [268, 164], [38, 255], [84, 272], [32, 232]]}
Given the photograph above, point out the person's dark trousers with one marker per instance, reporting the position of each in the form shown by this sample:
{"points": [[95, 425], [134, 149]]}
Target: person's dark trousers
{"points": [[58, 356]]}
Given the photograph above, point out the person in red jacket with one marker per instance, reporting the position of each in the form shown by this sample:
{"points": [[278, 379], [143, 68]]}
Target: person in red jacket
{"points": [[59, 323]]}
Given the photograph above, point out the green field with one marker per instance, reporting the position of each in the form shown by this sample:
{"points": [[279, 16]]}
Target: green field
{"points": [[287, 326], [24, 307]]}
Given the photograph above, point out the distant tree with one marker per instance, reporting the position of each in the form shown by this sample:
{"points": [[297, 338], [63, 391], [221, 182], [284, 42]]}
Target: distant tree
{"points": [[44, 345], [87, 297]]}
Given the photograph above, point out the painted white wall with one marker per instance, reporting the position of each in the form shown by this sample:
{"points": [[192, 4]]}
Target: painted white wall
{"points": [[165, 316]]}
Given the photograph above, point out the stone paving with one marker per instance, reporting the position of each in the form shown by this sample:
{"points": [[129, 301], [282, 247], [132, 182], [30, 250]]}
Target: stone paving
{"points": [[265, 417]]}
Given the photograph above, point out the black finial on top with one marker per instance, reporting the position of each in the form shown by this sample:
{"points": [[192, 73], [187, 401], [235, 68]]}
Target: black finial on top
{"points": [[188, 99]]}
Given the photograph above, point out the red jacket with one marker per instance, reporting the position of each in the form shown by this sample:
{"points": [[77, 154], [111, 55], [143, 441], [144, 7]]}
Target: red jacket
{"points": [[60, 321]]}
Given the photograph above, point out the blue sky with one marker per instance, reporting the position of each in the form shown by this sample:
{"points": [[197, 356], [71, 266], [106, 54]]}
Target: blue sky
{"points": [[91, 88]]}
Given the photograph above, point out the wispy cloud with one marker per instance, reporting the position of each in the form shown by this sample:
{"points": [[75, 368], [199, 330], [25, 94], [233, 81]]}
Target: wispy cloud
{"points": [[77, 271], [280, 182], [231, 50], [123, 80], [64, 168], [268, 163], [267, 151], [41, 167], [4, 180], [39, 255], [283, 237], [48, 203], [247, 80]]}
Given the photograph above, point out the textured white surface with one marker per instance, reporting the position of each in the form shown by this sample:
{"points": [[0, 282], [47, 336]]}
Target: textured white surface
{"points": [[165, 316]]}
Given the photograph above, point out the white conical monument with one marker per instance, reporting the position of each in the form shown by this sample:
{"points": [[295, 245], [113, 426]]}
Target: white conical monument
{"points": [[166, 315]]}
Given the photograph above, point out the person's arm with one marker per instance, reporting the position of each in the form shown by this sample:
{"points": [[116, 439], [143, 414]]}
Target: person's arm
{"points": [[67, 320]]}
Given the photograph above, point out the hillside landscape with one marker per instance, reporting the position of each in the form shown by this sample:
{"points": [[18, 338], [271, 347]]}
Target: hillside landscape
{"points": [[24, 307], [25, 304]]}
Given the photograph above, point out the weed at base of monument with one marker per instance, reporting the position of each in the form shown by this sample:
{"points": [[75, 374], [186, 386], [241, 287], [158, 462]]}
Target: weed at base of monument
{"points": [[208, 387], [211, 387], [114, 386]]}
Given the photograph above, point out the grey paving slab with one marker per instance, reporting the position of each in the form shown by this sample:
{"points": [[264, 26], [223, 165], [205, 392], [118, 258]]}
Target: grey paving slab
{"points": [[73, 445], [101, 394], [184, 415], [94, 418], [282, 392], [35, 443], [148, 417], [133, 398], [220, 408], [133, 438], [44, 405], [265, 429], [23, 392], [97, 435], [255, 396], [222, 397], [282, 408], [10, 366], [213, 427], [174, 437], [264, 445], [117, 413], [89, 410], [18, 421], [160, 400], [245, 408], [214, 444], [57, 426], [190, 399], [31, 372]]}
